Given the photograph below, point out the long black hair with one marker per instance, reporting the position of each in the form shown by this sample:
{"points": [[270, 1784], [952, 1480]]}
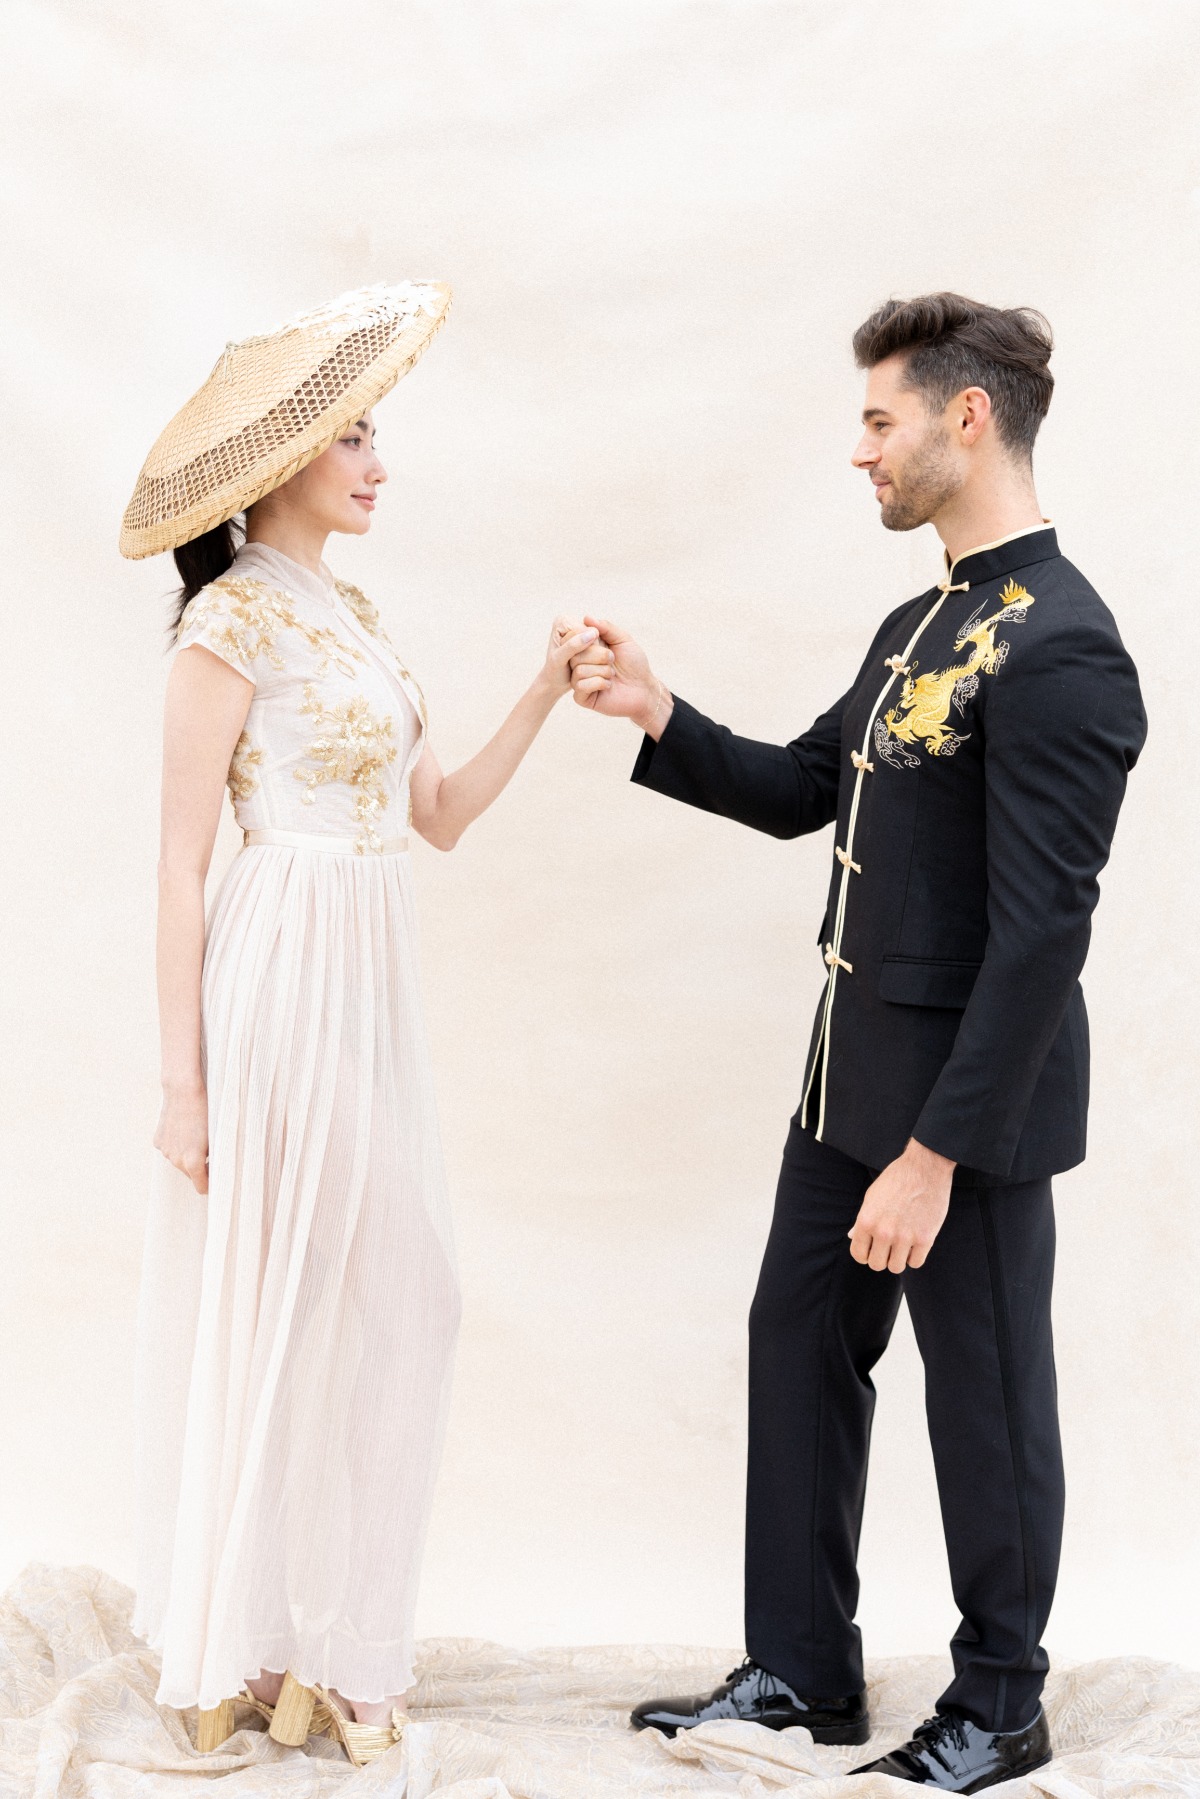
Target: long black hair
{"points": [[202, 561]]}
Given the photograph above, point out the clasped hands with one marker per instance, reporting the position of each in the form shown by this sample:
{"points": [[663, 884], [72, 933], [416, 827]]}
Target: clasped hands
{"points": [[612, 674], [905, 1207]]}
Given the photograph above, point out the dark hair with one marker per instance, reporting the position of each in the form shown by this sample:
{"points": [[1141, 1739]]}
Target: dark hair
{"points": [[202, 560], [952, 343]]}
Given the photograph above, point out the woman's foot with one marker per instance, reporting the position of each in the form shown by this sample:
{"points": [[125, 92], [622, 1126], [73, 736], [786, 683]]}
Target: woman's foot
{"points": [[362, 1711], [366, 1730], [266, 1687], [382, 1712]]}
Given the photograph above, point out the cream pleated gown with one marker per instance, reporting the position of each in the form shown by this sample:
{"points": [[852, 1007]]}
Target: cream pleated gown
{"points": [[297, 1325]]}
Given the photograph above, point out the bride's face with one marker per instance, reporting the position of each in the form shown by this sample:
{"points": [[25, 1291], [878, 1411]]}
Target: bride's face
{"points": [[337, 490]]}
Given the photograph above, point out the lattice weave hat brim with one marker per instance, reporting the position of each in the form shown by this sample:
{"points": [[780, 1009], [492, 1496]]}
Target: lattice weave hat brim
{"points": [[272, 404]]}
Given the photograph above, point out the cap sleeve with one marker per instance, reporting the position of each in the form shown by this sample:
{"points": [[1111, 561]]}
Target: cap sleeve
{"points": [[237, 620]]}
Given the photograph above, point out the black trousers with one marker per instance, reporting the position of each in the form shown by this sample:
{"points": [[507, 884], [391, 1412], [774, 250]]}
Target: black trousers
{"points": [[980, 1309]]}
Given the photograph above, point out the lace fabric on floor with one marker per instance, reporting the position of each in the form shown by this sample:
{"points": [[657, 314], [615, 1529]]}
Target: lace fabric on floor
{"points": [[78, 1721]]}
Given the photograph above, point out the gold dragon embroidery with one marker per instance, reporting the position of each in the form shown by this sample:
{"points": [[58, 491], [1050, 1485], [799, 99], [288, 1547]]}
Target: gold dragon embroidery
{"points": [[922, 713]]}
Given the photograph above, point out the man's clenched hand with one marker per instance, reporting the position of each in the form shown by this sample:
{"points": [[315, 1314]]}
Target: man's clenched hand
{"points": [[903, 1210], [614, 676]]}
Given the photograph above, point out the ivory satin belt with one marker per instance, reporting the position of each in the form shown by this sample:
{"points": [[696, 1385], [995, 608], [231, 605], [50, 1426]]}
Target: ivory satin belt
{"points": [[331, 846]]}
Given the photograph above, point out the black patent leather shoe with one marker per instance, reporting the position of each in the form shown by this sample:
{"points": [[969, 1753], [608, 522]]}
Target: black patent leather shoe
{"points": [[950, 1752], [752, 1696]]}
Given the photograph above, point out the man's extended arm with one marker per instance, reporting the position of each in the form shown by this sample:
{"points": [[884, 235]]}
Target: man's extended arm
{"points": [[783, 789]]}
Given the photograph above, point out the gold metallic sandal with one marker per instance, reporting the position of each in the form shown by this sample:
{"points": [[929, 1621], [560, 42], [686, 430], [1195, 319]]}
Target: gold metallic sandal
{"points": [[217, 1724], [363, 1743], [298, 1713], [214, 1726]]}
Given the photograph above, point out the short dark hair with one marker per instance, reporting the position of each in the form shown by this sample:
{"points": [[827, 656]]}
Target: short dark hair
{"points": [[952, 343]]}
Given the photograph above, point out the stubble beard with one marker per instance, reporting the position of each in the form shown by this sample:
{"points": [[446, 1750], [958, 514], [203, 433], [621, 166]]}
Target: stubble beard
{"points": [[928, 480]]}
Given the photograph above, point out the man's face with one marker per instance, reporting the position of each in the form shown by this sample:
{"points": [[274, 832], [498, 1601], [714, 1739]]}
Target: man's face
{"points": [[908, 452]]}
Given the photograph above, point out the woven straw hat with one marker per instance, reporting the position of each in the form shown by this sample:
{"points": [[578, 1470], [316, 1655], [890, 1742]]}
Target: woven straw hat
{"points": [[272, 404]]}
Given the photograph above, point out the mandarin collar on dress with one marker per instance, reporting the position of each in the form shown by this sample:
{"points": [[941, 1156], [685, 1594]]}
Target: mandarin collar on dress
{"points": [[988, 561], [263, 563]]}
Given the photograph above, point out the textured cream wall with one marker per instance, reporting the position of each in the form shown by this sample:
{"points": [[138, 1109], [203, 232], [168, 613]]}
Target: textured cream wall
{"points": [[662, 223]]}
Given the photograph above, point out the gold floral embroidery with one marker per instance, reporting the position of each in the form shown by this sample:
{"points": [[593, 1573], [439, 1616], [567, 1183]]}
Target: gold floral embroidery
{"points": [[354, 746], [240, 780], [363, 609], [367, 615], [923, 710], [242, 617]]}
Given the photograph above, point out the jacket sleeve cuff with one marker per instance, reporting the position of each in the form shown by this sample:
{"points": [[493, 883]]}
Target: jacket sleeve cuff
{"points": [[987, 1153], [657, 761]]}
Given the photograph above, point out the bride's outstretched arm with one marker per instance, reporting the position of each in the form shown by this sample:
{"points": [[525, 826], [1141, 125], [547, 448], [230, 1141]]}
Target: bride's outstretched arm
{"points": [[444, 805]]}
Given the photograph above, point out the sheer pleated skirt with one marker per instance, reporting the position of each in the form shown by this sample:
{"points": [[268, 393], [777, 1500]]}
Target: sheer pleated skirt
{"points": [[296, 1328]]}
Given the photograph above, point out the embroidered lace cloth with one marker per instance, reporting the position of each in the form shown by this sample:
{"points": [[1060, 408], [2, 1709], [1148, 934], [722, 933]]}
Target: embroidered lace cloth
{"points": [[78, 1719]]}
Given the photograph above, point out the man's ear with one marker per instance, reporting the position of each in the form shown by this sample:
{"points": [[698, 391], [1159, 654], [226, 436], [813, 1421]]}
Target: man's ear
{"points": [[971, 412]]}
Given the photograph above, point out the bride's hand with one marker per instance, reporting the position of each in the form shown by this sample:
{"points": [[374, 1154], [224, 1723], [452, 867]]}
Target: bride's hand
{"points": [[567, 639], [182, 1134]]}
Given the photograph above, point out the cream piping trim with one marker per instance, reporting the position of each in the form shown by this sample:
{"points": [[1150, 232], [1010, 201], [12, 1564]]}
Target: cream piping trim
{"points": [[862, 765], [996, 543], [825, 1033]]}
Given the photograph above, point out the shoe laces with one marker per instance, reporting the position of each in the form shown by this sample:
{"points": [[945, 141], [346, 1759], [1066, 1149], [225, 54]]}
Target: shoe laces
{"points": [[937, 1730], [748, 1666]]}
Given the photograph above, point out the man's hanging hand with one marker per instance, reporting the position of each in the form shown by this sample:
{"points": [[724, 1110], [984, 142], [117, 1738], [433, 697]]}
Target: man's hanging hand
{"points": [[903, 1210]]}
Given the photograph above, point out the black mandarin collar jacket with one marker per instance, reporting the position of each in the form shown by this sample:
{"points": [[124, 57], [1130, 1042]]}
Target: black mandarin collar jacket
{"points": [[974, 771]]}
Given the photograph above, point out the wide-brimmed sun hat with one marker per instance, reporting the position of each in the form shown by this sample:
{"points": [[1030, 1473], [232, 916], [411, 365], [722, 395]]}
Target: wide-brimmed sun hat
{"points": [[272, 404]]}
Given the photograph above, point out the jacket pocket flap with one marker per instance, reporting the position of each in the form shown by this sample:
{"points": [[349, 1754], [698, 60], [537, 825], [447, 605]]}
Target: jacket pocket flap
{"points": [[907, 982]]}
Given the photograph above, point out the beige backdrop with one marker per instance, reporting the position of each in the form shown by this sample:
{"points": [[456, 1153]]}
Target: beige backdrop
{"points": [[662, 223]]}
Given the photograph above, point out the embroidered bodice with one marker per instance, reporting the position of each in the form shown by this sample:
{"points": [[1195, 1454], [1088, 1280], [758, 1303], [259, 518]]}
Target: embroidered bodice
{"points": [[336, 724]]}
